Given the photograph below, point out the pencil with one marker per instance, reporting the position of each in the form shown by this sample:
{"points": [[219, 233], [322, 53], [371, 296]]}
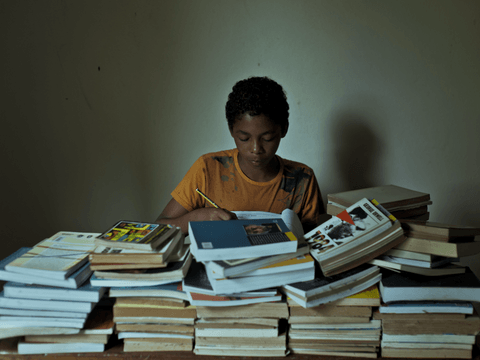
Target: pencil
{"points": [[206, 198]]}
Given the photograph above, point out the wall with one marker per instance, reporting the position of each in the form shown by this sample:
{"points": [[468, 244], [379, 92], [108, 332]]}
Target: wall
{"points": [[106, 104]]}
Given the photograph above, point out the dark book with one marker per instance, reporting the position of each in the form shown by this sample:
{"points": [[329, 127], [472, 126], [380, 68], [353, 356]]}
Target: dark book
{"points": [[413, 287], [324, 289]]}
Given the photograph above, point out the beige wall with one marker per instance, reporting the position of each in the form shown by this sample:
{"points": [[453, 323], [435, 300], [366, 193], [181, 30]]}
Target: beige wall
{"points": [[105, 104]]}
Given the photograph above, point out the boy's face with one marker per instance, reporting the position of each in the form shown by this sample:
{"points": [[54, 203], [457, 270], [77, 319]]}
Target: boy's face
{"points": [[257, 139]]}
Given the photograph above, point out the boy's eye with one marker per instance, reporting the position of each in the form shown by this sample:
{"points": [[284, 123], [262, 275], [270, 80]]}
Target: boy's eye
{"points": [[269, 139], [245, 139]]}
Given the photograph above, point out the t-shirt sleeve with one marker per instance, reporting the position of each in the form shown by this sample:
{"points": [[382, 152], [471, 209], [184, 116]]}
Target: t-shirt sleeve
{"points": [[185, 193], [312, 205]]}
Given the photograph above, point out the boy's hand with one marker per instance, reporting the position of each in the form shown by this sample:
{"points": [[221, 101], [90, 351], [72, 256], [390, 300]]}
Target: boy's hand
{"points": [[210, 214]]}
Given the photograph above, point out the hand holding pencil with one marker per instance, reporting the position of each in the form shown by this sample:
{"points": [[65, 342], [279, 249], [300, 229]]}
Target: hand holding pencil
{"points": [[230, 215]]}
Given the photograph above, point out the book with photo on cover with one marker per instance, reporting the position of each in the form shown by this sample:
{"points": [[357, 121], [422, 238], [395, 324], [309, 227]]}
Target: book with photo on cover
{"points": [[358, 234], [135, 235], [240, 239]]}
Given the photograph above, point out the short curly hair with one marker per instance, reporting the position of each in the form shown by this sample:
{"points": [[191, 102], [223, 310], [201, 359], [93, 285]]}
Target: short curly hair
{"points": [[256, 96]]}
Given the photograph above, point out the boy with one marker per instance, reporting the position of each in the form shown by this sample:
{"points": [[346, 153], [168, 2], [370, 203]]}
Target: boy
{"points": [[250, 177]]}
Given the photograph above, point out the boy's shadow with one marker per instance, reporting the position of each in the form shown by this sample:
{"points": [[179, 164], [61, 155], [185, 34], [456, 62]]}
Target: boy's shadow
{"points": [[358, 154]]}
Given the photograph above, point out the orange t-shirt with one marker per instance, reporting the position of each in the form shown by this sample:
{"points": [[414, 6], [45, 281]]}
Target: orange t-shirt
{"points": [[218, 175]]}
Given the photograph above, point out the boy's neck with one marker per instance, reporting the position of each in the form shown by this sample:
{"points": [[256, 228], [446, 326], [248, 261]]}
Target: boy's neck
{"points": [[263, 174]]}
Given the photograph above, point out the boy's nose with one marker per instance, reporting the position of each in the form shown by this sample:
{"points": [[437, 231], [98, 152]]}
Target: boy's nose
{"points": [[256, 147]]}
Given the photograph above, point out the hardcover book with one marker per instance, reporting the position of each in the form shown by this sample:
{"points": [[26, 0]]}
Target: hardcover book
{"points": [[240, 239]]}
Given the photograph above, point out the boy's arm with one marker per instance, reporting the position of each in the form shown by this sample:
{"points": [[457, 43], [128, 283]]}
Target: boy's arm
{"points": [[176, 215]]}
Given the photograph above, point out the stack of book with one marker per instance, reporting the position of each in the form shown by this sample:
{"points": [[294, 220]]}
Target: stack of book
{"points": [[428, 317], [143, 264], [400, 202], [439, 240], [247, 330], [61, 260], [245, 254], [134, 253], [154, 323], [93, 337], [47, 291], [341, 328]]}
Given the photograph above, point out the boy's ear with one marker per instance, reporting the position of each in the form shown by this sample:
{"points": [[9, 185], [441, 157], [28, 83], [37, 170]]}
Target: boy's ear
{"points": [[284, 130]]}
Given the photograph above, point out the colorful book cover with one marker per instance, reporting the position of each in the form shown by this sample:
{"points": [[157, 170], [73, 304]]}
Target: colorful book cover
{"points": [[132, 231]]}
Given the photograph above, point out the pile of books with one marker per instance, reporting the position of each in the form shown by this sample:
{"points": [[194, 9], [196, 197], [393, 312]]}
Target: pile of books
{"points": [[47, 293], [401, 202], [239, 266], [341, 328], [143, 264], [154, 323], [246, 330], [428, 317]]}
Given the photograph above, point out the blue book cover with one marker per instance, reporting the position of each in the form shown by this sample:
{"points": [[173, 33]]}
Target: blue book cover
{"points": [[239, 239]]}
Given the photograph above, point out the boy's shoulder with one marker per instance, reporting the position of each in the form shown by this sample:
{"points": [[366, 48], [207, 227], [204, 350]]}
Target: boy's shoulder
{"points": [[224, 157], [296, 167]]}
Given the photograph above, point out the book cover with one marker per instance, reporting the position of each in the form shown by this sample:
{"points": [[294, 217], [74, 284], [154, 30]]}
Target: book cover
{"points": [[229, 268], [396, 286], [363, 220], [177, 269], [111, 255], [387, 263], [389, 196], [56, 257], [135, 235], [170, 290], [35, 304], [437, 231], [323, 283], [240, 239], [73, 281], [86, 292]]}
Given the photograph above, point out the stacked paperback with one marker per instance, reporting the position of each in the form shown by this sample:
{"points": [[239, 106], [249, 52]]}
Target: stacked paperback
{"points": [[154, 323], [401, 202], [249, 330], [143, 264], [47, 293], [428, 317], [341, 328], [238, 266]]}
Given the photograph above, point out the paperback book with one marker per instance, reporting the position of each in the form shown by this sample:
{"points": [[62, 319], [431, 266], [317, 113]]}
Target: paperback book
{"points": [[135, 235], [109, 258], [77, 278], [240, 239], [360, 233], [412, 287], [56, 257]]}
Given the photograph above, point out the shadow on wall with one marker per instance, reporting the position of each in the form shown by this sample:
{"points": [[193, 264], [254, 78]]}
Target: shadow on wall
{"points": [[357, 152]]}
